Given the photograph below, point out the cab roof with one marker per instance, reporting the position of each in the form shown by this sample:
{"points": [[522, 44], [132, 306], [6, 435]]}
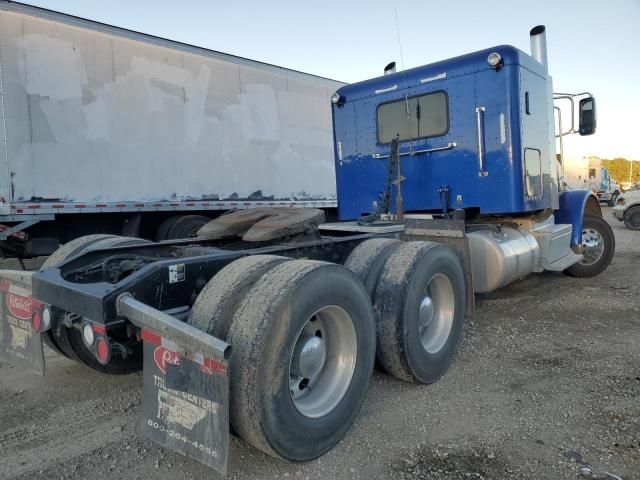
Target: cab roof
{"points": [[444, 69]]}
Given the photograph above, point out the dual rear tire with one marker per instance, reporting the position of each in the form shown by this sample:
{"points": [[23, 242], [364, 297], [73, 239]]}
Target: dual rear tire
{"points": [[418, 294], [304, 336]]}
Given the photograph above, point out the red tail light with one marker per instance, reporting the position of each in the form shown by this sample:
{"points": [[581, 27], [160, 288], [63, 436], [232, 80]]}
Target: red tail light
{"points": [[102, 350], [35, 321], [41, 317]]}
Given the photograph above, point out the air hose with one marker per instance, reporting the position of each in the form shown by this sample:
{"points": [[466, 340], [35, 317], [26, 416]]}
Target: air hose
{"points": [[385, 196]]}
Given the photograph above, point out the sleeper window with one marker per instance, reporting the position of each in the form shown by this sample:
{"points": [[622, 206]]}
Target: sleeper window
{"points": [[413, 118]]}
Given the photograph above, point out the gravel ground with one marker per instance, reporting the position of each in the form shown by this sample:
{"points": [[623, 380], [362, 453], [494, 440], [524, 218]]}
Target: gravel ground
{"points": [[546, 385]]}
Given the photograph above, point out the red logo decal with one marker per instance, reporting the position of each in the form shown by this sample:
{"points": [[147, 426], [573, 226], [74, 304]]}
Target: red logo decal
{"points": [[19, 306], [164, 357]]}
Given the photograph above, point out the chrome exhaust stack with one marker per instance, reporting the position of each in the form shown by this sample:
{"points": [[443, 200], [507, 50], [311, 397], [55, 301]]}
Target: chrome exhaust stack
{"points": [[538, 38]]}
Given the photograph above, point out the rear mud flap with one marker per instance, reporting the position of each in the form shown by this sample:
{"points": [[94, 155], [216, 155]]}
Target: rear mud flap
{"points": [[20, 344], [185, 404]]}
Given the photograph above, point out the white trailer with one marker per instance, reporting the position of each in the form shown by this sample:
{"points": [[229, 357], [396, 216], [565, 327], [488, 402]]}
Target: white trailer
{"points": [[126, 129], [590, 174]]}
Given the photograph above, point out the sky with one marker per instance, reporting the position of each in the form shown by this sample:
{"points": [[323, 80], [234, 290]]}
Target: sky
{"points": [[593, 45]]}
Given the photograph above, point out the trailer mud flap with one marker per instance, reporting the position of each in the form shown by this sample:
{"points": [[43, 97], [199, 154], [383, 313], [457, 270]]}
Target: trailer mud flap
{"points": [[20, 335], [185, 404]]}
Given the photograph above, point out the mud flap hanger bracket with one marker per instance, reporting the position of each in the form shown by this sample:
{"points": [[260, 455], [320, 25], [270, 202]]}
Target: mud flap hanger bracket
{"points": [[190, 340]]}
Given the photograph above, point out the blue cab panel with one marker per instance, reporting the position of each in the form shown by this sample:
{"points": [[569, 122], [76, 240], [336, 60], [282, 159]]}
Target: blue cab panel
{"points": [[453, 102], [571, 211]]}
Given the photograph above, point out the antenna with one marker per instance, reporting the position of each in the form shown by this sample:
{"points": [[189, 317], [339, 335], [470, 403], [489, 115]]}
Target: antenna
{"points": [[396, 145], [404, 78]]}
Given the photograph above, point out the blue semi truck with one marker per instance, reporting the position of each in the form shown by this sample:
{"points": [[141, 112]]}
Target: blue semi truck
{"points": [[271, 319]]}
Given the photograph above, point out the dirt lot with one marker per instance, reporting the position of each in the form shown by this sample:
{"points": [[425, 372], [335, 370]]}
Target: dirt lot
{"points": [[547, 381]]}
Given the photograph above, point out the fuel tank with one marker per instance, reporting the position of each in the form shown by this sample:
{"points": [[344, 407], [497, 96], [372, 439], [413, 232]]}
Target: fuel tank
{"points": [[501, 255]]}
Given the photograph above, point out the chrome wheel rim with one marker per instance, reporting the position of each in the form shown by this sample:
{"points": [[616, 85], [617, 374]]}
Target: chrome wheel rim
{"points": [[436, 313], [322, 361], [592, 246]]}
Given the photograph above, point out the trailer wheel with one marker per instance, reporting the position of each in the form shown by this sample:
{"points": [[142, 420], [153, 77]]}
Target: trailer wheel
{"points": [[303, 341], [367, 260], [69, 340], [420, 307], [165, 226], [632, 218], [186, 226], [613, 200], [218, 301], [598, 246]]}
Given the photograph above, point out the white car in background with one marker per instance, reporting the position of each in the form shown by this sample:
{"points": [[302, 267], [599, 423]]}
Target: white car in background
{"points": [[627, 209], [625, 186]]}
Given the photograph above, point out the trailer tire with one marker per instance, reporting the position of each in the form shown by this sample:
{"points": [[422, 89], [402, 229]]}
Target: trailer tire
{"points": [[216, 305], [596, 233], [367, 260], [275, 343], [613, 200], [187, 226], [69, 340], [632, 218], [420, 308], [165, 226]]}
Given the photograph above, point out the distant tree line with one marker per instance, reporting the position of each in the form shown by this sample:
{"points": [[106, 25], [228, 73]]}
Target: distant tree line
{"points": [[619, 169]]}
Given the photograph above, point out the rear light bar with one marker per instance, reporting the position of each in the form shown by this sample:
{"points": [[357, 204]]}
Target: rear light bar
{"points": [[41, 317], [95, 338]]}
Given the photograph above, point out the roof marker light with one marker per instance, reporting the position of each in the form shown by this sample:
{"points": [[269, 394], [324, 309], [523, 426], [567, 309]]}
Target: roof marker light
{"points": [[495, 60]]}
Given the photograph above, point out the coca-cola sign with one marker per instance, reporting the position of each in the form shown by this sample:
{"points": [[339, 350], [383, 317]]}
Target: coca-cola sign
{"points": [[19, 306]]}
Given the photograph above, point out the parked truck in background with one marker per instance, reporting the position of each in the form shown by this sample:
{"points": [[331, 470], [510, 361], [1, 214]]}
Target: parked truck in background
{"points": [[271, 319], [107, 130], [589, 173], [627, 209]]}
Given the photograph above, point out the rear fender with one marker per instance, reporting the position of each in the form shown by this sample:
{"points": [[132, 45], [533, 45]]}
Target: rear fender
{"points": [[574, 205]]}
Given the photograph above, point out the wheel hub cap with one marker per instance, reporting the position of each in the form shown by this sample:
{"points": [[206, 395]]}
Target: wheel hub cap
{"points": [[323, 361], [436, 313], [310, 358], [426, 312], [592, 246]]}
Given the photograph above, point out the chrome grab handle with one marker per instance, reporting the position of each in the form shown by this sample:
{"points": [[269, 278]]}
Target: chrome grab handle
{"points": [[411, 153], [480, 128]]}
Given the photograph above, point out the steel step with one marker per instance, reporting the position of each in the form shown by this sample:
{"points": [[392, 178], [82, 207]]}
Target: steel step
{"points": [[563, 263]]}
